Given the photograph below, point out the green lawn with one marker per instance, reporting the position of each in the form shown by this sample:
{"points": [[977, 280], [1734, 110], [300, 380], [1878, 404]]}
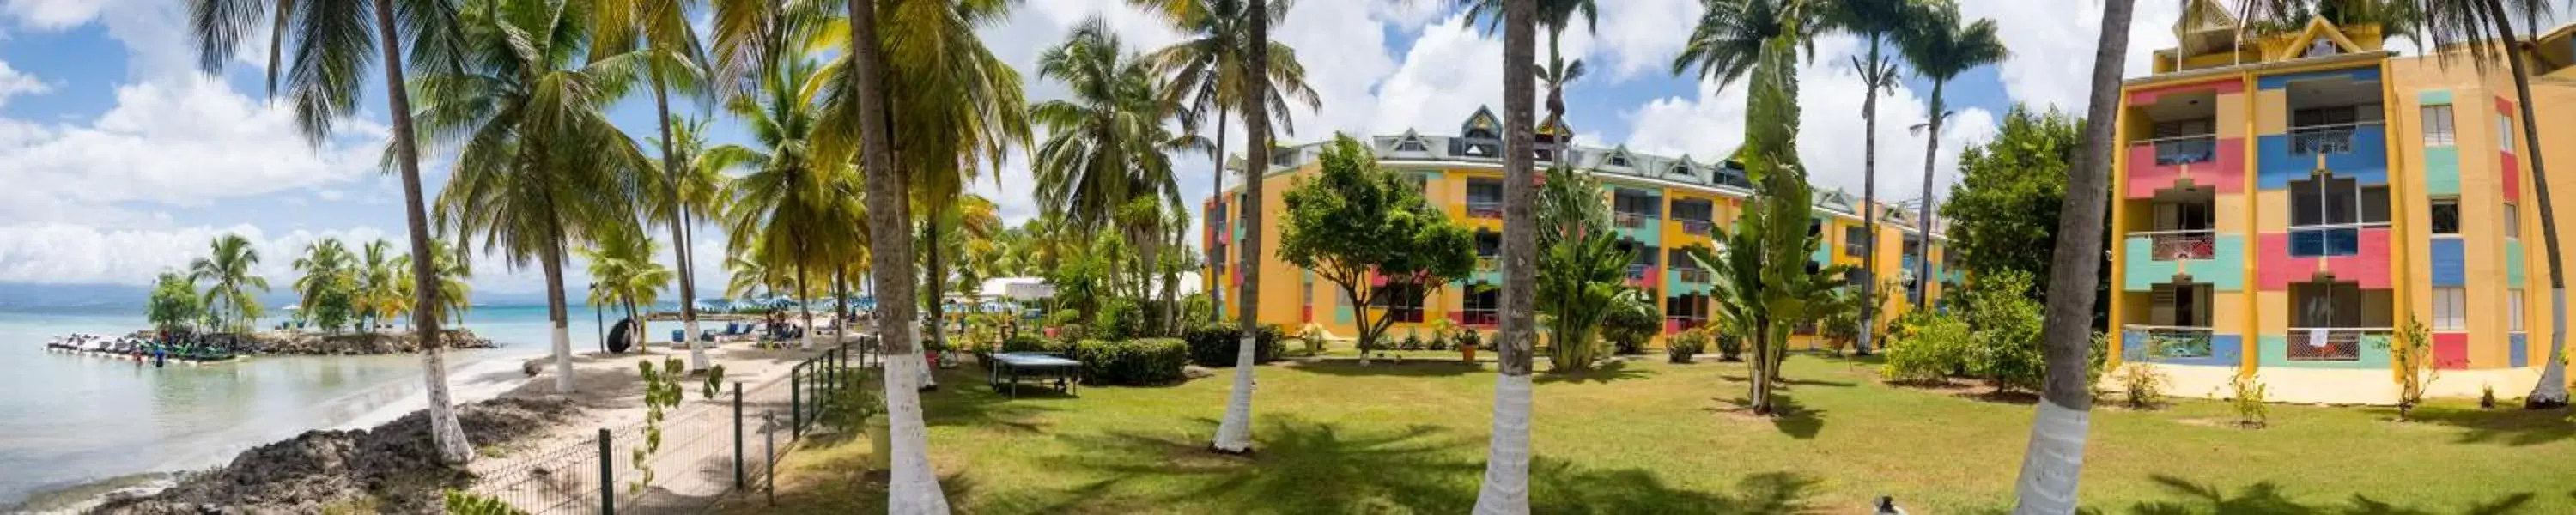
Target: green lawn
{"points": [[1645, 437]]}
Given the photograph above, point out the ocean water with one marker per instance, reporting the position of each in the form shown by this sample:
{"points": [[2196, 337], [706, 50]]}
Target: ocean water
{"points": [[72, 420]]}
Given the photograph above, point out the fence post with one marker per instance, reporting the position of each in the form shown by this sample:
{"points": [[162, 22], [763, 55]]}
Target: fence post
{"points": [[607, 478], [796, 401], [737, 435], [769, 448]]}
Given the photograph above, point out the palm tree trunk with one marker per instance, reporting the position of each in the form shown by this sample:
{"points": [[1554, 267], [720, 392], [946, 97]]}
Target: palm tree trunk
{"points": [[2551, 392], [804, 308], [1758, 374], [1923, 213], [1505, 489], [679, 224], [912, 487], [558, 318], [2054, 459], [1216, 308], [1869, 192], [444, 432], [1234, 432], [936, 278]]}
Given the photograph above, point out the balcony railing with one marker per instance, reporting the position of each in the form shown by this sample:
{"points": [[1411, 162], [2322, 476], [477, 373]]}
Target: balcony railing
{"points": [[2323, 139], [1697, 228], [2180, 245], [1485, 209], [1638, 272], [1678, 324], [1480, 317], [1488, 263], [1693, 275], [2328, 240], [2329, 343], [2174, 342], [2199, 148], [1634, 220]]}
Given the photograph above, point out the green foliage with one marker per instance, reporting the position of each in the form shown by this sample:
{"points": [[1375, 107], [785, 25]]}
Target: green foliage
{"points": [[174, 302], [1353, 222], [2007, 324], [1932, 347], [1028, 343], [2486, 396], [461, 503], [2416, 371], [1214, 345], [849, 406], [1142, 362], [2142, 386], [1312, 338], [1633, 320], [1118, 317], [227, 273], [2004, 209], [1467, 338], [1581, 268], [662, 393], [1680, 348], [713, 383], [2247, 397]]}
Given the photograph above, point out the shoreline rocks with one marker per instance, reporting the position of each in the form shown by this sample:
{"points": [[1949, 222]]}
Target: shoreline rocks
{"points": [[394, 465], [312, 343]]}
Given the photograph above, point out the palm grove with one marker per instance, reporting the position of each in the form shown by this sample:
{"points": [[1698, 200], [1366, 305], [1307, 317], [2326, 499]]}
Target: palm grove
{"points": [[867, 121]]}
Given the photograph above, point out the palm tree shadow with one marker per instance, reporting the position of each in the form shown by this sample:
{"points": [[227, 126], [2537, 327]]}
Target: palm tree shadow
{"points": [[1558, 486], [2504, 426], [1389, 367], [1612, 371], [2268, 498], [964, 400], [1787, 415]]}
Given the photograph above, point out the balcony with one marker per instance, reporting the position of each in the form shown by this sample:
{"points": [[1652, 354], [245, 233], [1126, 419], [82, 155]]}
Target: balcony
{"points": [[1697, 227], [1692, 275], [2182, 150], [2331, 343], [1638, 272], [1480, 318], [1679, 324], [2171, 342], [1487, 209], [1489, 263], [1634, 220], [2180, 245], [2325, 139]]}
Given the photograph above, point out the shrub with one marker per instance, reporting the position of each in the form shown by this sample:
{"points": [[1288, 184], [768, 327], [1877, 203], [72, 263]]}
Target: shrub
{"points": [[2143, 386], [2486, 397], [1730, 347], [461, 503], [1410, 342], [2416, 371], [2248, 400], [1934, 348], [1630, 324], [1214, 345], [2095, 361], [1681, 347], [1469, 338], [1117, 319], [1148, 361], [1029, 343], [1312, 338]]}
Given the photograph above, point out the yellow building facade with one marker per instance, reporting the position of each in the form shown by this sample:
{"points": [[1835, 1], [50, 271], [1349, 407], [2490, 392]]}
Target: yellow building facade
{"points": [[1662, 204], [2284, 203]]}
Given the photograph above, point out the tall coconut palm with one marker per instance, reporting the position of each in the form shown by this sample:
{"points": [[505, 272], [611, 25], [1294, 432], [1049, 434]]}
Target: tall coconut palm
{"points": [[749, 276], [455, 295], [379, 292], [226, 272], [695, 191], [324, 276], [793, 213], [1878, 23], [621, 261], [660, 28], [330, 45], [1555, 16], [1940, 49], [1506, 482], [2054, 458], [2488, 25], [1105, 146], [538, 167]]}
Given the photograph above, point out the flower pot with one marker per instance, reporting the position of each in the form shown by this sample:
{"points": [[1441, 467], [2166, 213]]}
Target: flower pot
{"points": [[1467, 352]]}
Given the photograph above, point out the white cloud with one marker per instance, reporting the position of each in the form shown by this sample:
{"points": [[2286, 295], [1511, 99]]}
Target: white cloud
{"points": [[2053, 45], [1642, 36], [14, 83], [183, 143]]}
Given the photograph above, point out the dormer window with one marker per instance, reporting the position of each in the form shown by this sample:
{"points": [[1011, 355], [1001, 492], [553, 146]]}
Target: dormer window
{"points": [[1618, 160], [2322, 48], [1412, 146], [1684, 171]]}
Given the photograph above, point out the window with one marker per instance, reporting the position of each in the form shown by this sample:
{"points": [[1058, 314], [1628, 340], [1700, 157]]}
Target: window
{"points": [[1489, 244], [1422, 184], [2512, 221], [1687, 307], [1855, 241], [2450, 309], [1412, 145], [2181, 128], [1695, 210], [2330, 200], [2446, 216], [1684, 171], [1618, 160], [2325, 305], [2437, 126], [2513, 310], [1402, 300], [2184, 216], [1629, 202], [2322, 48], [1484, 189], [1284, 157], [1680, 259], [2315, 116], [2504, 132]]}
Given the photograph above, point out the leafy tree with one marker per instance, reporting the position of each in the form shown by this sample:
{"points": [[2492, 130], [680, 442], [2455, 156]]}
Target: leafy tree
{"points": [[796, 211], [621, 261], [2416, 368], [2006, 350], [1632, 321], [1354, 222], [379, 293], [1940, 48], [1582, 269], [325, 289], [226, 271], [660, 30], [174, 302], [2003, 212]]}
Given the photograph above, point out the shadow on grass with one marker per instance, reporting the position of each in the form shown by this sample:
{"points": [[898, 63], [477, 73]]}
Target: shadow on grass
{"points": [[2267, 498], [1303, 466], [1787, 415], [1392, 368], [964, 399], [2503, 426], [1605, 373], [1791, 382]]}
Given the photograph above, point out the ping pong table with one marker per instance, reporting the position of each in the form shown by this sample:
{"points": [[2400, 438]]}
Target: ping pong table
{"points": [[1011, 366]]}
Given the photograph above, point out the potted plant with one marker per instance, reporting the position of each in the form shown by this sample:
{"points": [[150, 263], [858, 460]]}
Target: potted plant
{"points": [[1467, 341]]}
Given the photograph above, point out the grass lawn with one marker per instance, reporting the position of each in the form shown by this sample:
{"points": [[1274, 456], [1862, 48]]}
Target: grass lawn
{"points": [[1647, 437]]}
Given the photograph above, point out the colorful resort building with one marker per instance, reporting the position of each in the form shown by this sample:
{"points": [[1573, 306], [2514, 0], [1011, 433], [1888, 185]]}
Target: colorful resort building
{"points": [[2288, 199], [1662, 204]]}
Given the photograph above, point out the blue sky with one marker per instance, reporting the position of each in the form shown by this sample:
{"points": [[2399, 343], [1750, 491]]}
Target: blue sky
{"points": [[121, 159]]}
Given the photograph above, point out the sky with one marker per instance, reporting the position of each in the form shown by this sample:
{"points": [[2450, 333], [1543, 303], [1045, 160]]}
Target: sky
{"points": [[120, 158]]}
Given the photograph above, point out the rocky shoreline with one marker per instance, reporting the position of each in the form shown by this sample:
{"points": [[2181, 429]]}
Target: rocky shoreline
{"points": [[308, 343], [391, 468]]}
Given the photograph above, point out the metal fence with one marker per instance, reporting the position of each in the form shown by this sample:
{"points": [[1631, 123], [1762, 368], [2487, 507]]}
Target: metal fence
{"points": [[710, 448]]}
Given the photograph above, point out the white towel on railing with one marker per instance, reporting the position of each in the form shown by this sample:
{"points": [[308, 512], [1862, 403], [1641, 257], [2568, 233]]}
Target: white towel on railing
{"points": [[2317, 338]]}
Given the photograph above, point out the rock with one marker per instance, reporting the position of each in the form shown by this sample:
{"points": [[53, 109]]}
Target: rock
{"points": [[394, 463], [1193, 372], [308, 343]]}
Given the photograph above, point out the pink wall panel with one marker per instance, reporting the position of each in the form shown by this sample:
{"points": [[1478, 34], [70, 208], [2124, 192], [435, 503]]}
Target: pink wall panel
{"points": [[2451, 350], [2368, 267], [2277, 269], [2512, 178], [2222, 86], [2224, 172]]}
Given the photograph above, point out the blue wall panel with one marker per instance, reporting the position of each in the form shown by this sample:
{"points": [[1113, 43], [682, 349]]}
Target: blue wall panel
{"points": [[2450, 268]]}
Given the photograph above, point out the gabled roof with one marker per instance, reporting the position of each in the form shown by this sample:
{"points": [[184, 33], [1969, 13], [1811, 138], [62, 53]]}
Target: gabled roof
{"points": [[2203, 16], [1555, 126], [2317, 28], [1482, 120], [1834, 200], [1410, 138]]}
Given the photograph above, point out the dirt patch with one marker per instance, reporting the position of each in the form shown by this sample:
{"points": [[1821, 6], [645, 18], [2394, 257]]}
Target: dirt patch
{"points": [[393, 466]]}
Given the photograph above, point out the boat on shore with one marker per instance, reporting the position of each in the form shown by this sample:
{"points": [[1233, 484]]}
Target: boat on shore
{"points": [[140, 350]]}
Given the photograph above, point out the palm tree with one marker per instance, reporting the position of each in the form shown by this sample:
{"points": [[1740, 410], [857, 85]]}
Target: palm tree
{"points": [[226, 271], [2054, 458], [1556, 16], [663, 26], [1876, 22], [1207, 67], [2479, 21], [1940, 49], [1585, 266], [621, 261], [455, 296], [749, 276], [539, 166], [1105, 146], [379, 295], [330, 44], [1506, 482], [794, 212], [324, 283], [696, 191]]}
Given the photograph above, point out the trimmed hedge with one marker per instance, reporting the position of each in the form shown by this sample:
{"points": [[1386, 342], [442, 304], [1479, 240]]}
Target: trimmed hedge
{"points": [[1140, 362], [1030, 343], [1215, 345]]}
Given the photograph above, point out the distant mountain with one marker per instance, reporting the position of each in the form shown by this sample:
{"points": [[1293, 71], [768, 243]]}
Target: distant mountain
{"points": [[126, 299]]}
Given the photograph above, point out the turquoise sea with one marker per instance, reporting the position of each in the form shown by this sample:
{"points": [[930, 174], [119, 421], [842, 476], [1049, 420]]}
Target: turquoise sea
{"points": [[70, 421]]}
